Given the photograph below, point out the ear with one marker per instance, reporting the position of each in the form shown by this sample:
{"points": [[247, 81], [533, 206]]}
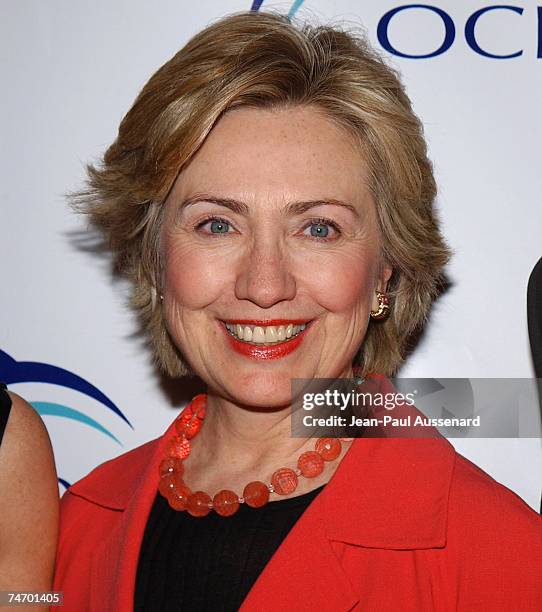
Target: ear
{"points": [[383, 278], [381, 283]]}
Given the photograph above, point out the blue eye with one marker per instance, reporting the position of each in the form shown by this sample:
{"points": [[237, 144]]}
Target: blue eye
{"points": [[319, 230], [219, 227], [325, 230]]}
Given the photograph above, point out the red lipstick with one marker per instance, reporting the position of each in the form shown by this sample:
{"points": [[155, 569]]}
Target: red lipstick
{"points": [[262, 323], [265, 352]]}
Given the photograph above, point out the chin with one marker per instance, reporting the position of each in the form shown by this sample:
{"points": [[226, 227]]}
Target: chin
{"points": [[261, 389]]}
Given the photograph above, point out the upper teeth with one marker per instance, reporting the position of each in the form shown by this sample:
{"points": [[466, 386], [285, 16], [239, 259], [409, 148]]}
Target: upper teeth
{"points": [[266, 334]]}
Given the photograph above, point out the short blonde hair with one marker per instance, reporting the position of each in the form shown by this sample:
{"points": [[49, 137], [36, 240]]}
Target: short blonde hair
{"points": [[263, 60]]}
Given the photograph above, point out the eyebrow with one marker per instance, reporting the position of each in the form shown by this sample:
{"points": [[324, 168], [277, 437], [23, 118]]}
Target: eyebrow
{"points": [[293, 208]]}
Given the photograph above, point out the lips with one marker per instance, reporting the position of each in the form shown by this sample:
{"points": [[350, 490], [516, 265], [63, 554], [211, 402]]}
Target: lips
{"points": [[265, 340]]}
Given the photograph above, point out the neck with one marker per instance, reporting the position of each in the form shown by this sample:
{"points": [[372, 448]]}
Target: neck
{"points": [[238, 444], [241, 436]]}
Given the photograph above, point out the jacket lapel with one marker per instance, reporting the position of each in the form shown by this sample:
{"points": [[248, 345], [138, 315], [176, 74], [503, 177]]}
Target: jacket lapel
{"points": [[305, 573], [114, 563], [385, 494]]}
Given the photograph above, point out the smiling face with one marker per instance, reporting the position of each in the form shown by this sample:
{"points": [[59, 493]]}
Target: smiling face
{"points": [[271, 254]]}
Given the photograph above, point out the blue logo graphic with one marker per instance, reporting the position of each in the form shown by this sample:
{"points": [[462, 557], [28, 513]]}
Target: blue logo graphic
{"points": [[449, 30], [256, 4], [448, 27], [12, 371]]}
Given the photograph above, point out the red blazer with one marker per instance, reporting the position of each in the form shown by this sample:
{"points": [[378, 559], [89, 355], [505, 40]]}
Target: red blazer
{"points": [[403, 524]]}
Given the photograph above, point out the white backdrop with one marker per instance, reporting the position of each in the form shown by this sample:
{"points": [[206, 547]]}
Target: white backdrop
{"points": [[70, 70]]}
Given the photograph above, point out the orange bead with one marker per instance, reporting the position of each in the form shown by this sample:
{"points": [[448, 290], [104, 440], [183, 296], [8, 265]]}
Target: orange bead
{"points": [[178, 447], [170, 464], [226, 503], [178, 497], [284, 481], [184, 417], [198, 504], [167, 483], [329, 448], [310, 464], [198, 405], [181, 422], [256, 494], [192, 428], [188, 427]]}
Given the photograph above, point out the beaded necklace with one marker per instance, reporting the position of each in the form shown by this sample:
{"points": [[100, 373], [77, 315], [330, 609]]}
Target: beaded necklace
{"points": [[226, 503]]}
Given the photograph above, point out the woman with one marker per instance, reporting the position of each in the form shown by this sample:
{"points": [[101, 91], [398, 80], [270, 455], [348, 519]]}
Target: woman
{"points": [[270, 197], [29, 502]]}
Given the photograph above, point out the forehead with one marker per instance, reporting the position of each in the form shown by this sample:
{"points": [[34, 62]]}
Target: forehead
{"points": [[291, 153]]}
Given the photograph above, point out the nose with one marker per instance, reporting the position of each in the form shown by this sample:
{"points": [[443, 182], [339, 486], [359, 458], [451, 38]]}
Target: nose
{"points": [[264, 276]]}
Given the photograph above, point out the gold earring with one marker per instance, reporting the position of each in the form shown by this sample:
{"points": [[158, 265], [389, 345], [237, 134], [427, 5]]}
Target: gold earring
{"points": [[383, 309]]}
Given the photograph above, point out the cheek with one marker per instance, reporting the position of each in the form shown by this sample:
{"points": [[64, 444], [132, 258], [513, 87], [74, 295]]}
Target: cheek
{"points": [[193, 277], [343, 281]]}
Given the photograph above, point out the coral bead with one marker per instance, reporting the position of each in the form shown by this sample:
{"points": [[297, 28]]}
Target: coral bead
{"points": [[167, 483], [188, 427], [256, 494], [192, 428], [198, 504], [169, 465], [284, 481], [310, 464], [329, 448], [178, 447], [184, 417], [198, 405], [226, 503], [178, 497]]}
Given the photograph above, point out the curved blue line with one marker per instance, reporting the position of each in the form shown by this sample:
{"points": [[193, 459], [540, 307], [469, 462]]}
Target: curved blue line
{"points": [[256, 5], [66, 412], [12, 371], [295, 7], [64, 483]]}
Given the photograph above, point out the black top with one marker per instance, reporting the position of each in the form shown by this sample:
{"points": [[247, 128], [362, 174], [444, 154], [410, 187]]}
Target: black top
{"points": [[5, 409], [209, 563]]}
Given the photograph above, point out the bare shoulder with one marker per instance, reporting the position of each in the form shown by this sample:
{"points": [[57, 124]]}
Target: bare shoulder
{"points": [[28, 500], [24, 422], [25, 444]]}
